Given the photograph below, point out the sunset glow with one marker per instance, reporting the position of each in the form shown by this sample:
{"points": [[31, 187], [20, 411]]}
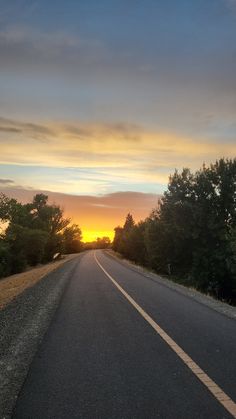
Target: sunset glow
{"points": [[89, 110], [90, 236]]}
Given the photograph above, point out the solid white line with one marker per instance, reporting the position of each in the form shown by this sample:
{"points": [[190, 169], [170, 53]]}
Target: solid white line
{"points": [[217, 392]]}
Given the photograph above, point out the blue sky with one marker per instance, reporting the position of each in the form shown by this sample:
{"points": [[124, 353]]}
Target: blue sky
{"points": [[105, 96]]}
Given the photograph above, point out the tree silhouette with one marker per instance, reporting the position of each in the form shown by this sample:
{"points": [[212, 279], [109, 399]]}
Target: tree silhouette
{"points": [[35, 232], [192, 232]]}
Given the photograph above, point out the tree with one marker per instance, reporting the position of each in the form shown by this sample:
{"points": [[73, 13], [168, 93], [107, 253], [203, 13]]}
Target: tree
{"points": [[27, 246], [192, 232], [116, 245], [5, 259], [136, 243], [13, 211], [35, 245], [124, 238], [157, 243], [215, 218], [35, 232], [47, 217], [72, 237], [103, 243], [129, 223]]}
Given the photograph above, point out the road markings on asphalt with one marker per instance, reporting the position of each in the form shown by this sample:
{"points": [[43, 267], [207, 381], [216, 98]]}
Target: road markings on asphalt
{"points": [[217, 392]]}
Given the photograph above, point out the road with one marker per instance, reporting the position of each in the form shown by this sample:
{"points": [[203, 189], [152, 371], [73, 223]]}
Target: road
{"points": [[103, 355]]}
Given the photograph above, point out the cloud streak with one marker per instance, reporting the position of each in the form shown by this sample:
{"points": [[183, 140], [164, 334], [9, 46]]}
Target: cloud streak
{"points": [[118, 154], [33, 131], [6, 182]]}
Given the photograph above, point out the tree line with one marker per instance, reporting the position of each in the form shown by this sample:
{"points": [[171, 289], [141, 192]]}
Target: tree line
{"points": [[191, 235], [100, 243], [34, 233]]}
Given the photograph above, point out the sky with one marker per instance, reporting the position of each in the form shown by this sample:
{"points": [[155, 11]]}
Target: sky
{"points": [[103, 100]]}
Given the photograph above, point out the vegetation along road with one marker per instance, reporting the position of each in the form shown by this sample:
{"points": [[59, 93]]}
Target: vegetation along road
{"points": [[122, 345]]}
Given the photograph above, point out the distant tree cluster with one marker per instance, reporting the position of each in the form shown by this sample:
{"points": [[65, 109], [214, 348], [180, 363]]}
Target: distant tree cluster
{"points": [[99, 243], [35, 232], [192, 233]]}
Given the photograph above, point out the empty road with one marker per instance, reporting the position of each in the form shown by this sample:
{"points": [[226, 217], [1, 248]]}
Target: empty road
{"points": [[121, 345]]}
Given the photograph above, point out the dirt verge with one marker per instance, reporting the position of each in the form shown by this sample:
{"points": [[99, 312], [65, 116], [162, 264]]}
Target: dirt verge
{"points": [[12, 286]]}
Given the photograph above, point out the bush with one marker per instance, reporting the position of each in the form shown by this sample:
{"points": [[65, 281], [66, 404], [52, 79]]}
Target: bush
{"points": [[5, 259]]}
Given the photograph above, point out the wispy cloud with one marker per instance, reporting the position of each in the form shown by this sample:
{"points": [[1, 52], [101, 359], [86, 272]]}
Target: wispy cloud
{"points": [[6, 182], [10, 129], [100, 157], [35, 131]]}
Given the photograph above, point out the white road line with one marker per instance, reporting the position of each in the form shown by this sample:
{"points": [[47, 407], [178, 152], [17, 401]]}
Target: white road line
{"points": [[217, 392]]}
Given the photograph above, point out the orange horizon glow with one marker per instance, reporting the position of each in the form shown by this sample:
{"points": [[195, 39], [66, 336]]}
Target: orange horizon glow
{"points": [[92, 235], [97, 216]]}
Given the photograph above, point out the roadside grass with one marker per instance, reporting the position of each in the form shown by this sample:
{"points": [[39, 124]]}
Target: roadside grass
{"points": [[12, 286]]}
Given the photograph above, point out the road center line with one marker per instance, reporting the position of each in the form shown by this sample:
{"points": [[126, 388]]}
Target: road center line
{"points": [[217, 392]]}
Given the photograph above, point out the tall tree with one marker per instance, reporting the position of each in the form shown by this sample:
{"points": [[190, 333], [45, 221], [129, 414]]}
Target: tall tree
{"points": [[129, 223]]}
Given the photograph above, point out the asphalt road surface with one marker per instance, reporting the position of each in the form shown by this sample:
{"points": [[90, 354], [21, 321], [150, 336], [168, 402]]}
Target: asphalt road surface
{"points": [[101, 357]]}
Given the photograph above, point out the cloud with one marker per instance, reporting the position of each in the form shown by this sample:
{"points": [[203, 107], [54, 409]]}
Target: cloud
{"points": [[10, 129], [100, 157], [6, 181], [35, 131], [119, 131], [80, 131]]}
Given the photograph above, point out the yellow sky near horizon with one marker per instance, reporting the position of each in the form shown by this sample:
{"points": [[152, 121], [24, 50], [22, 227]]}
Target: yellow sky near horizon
{"points": [[92, 235]]}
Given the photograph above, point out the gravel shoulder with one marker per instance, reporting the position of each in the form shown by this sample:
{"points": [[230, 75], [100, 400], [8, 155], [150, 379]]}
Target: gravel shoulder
{"points": [[24, 321], [209, 301]]}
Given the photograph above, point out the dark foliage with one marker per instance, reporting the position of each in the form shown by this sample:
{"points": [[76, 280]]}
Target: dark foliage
{"points": [[192, 233], [99, 243], [34, 233], [72, 237]]}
